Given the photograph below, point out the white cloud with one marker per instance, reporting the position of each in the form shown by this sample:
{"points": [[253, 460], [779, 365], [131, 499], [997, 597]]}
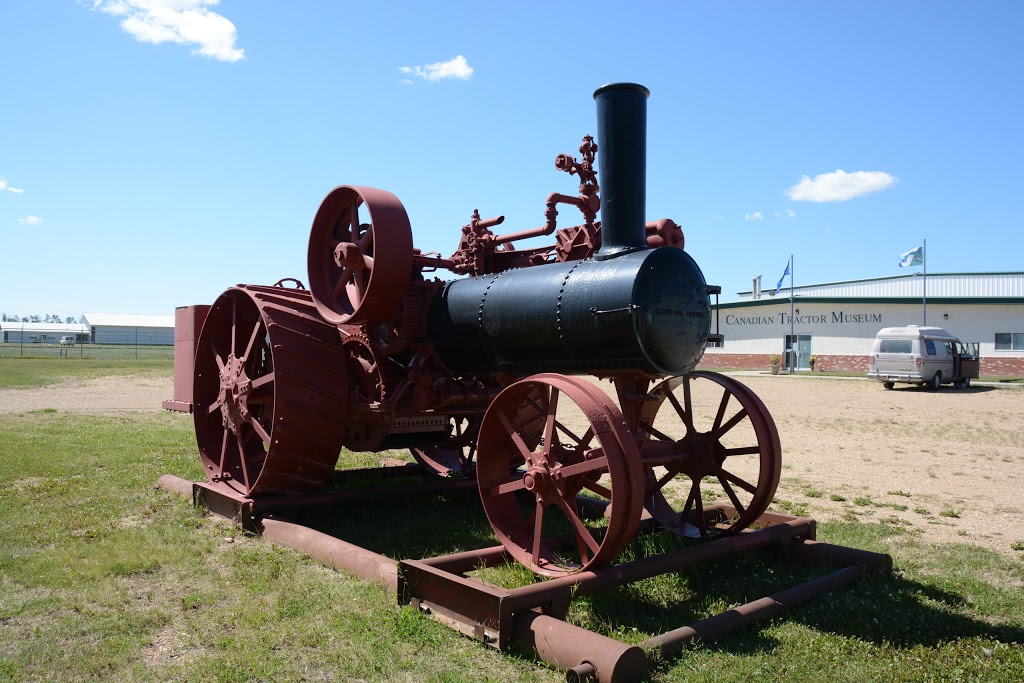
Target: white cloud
{"points": [[756, 216], [788, 213], [30, 220], [453, 68], [5, 186], [839, 186], [186, 22]]}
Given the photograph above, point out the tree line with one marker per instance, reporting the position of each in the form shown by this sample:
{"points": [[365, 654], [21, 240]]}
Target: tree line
{"points": [[49, 318]]}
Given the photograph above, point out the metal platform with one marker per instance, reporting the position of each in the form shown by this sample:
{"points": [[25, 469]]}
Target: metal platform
{"points": [[532, 617]]}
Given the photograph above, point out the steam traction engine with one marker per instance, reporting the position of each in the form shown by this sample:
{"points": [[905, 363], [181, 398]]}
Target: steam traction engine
{"points": [[478, 376]]}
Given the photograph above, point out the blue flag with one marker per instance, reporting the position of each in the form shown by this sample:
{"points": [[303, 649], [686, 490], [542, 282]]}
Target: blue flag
{"points": [[779, 286], [914, 257]]}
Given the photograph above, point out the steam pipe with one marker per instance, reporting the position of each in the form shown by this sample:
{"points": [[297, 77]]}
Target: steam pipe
{"points": [[622, 139]]}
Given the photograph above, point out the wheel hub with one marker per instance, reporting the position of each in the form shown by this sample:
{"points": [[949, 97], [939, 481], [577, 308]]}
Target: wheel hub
{"points": [[235, 386], [701, 455], [348, 255]]}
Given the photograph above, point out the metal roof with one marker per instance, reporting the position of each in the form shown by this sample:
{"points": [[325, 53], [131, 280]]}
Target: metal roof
{"points": [[127, 320], [958, 285], [49, 328]]}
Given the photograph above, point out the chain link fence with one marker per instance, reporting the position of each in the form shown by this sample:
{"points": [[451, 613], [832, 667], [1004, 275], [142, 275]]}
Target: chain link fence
{"points": [[130, 349]]}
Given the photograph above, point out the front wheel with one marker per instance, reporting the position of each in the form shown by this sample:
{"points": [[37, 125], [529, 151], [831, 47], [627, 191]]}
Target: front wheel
{"points": [[936, 381], [888, 385]]}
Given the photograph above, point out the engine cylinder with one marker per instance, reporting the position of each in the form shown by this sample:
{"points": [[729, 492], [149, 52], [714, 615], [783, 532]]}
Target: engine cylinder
{"points": [[645, 311]]}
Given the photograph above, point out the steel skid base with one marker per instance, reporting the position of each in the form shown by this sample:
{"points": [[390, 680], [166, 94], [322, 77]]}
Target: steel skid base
{"points": [[531, 618]]}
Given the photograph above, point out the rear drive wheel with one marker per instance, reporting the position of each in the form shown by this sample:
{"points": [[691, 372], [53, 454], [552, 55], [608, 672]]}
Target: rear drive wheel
{"points": [[888, 385], [936, 381]]}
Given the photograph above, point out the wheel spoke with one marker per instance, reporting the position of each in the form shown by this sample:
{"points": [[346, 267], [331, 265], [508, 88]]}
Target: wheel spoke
{"points": [[699, 500], [694, 487], [660, 484], [747, 450], [258, 428], [216, 357], [583, 467], [565, 430], [588, 436], [346, 276], [525, 452], [721, 410], [582, 532], [746, 486], [245, 465], [661, 435], [365, 240], [688, 402], [549, 424], [733, 421], [597, 488], [732, 495], [214, 407], [234, 322], [357, 290], [223, 452], [683, 415], [538, 531], [262, 381], [510, 486], [252, 340]]}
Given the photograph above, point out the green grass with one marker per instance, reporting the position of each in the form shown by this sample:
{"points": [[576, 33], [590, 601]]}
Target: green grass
{"points": [[37, 372], [104, 577]]}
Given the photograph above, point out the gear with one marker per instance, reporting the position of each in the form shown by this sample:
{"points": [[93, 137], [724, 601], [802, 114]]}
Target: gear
{"points": [[371, 382]]}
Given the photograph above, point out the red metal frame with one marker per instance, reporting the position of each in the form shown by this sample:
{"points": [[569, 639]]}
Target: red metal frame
{"points": [[532, 617]]}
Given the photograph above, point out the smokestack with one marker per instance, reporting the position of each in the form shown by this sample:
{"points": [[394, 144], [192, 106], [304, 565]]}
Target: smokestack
{"points": [[622, 160]]}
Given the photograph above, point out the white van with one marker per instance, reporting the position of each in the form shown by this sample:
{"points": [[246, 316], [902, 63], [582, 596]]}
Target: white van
{"points": [[67, 340], [922, 355]]}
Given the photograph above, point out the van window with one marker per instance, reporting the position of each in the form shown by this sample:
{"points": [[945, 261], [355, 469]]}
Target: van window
{"points": [[930, 345], [896, 346], [949, 348]]}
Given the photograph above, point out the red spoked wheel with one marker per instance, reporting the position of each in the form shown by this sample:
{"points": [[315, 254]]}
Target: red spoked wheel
{"points": [[711, 442], [268, 392], [558, 436], [359, 271]]}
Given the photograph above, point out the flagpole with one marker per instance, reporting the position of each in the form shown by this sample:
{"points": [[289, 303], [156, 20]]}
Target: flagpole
{"points": [[924, 284], [792, 337]]}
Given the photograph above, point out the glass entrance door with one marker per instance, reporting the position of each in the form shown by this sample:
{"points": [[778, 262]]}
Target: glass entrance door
{"points": [[798, 354]]}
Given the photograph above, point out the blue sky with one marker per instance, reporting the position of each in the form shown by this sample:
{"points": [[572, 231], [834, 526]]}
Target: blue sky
{"points": [[155, 152]]}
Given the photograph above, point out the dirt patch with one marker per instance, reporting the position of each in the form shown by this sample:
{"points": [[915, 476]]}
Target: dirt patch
{"points": [[947, 465], [104, 395]]}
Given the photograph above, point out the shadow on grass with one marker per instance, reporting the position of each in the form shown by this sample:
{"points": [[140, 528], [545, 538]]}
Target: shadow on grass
{"points": [[886, 610]]}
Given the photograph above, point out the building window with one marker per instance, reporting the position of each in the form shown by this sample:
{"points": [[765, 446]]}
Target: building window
{"points": [[1009, 341]]}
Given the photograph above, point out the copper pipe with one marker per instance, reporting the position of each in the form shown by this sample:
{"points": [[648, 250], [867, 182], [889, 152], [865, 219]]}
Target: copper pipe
{"points": [[549, 227]]}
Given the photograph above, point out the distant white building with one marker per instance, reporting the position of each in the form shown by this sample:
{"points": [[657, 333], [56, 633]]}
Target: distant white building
{"points": [[836, 322], [125, 328], [41, 333]]}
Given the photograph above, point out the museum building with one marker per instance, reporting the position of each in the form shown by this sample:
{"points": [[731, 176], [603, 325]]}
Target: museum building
{"points": [[836, 322]]}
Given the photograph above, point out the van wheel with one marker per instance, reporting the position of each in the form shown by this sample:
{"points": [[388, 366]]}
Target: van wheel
{"points": [[888, 385], [937, 381]]}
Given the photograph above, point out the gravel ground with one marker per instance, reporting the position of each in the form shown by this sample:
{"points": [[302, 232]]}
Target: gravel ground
{"points": [[947, 465]]}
